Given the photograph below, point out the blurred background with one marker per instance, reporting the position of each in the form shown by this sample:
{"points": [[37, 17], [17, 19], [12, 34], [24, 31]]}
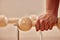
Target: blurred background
{"points": [[20, 8]]}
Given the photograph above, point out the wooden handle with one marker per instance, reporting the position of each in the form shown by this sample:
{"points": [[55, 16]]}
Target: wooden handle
{"points": [[24, 24], [58, 23], [13, 20]]}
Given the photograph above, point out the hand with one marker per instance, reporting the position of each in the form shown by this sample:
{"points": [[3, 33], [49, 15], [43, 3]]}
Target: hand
{"points": [[46, 22]]}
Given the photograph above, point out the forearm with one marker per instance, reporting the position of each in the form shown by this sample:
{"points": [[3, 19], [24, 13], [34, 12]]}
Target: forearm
{"points": [[52, 6]]}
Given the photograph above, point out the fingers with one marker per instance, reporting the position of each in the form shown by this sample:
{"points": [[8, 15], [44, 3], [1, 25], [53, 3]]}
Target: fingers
{"points": [[46, 25], [42, 25], [51, 26], [37, 25]]}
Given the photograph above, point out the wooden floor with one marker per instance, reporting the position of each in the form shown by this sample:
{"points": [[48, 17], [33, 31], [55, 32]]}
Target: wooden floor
{"points": [[10, 33]]}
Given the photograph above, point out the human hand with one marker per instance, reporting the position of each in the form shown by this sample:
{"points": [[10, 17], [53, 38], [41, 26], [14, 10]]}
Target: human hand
{"points": [[46, 22]]}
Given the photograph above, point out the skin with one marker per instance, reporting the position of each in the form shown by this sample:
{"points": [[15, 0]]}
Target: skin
{"points": [[48, 20]]}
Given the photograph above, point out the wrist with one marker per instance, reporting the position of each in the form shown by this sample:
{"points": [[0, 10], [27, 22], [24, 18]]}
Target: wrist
{"points": [[51, 12]]}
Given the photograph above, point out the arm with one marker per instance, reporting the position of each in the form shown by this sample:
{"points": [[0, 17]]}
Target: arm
{"points": [[52, 6], [50, 18]]}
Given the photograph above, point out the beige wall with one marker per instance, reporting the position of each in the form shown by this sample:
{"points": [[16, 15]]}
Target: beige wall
{"points": [[19, 8]]}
